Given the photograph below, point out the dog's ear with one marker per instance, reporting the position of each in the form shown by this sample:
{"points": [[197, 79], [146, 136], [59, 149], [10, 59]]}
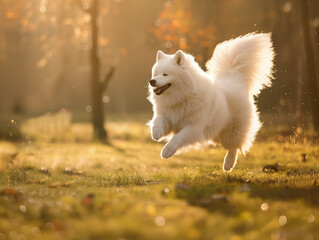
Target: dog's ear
{"points": [[179, 57], [159, 55]]}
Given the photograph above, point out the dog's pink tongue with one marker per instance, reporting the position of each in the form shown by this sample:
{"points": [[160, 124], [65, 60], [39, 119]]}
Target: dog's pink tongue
{"points": [[157, 90]]}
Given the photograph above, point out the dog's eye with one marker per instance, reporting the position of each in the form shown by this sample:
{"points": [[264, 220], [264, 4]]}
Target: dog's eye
{"points": [[165, 74]]}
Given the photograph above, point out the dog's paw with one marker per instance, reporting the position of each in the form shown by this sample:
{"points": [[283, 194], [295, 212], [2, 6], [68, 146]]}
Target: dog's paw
{"points": [[168, 151], [157, 133]]}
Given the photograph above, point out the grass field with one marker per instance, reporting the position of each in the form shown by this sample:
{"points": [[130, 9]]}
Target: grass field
{"points": [[58, 184]]}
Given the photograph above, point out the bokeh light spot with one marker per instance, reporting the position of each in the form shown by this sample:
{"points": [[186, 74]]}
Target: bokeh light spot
{"points": [[282, 220], [264, 206], [160, 221]]}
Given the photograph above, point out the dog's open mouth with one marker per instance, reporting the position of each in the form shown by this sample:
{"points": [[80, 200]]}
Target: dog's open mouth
{"points": [[160, 90]]}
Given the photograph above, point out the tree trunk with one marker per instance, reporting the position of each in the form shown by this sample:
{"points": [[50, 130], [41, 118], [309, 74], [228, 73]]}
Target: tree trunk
{"points": [[299, 88], [297, 57], [96, 88], [311, 63]]}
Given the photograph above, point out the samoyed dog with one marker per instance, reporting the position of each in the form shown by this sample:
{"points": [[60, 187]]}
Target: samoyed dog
{"points": [[194, 107]]}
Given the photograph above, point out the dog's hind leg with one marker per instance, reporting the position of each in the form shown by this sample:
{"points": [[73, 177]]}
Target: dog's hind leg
{"points": [[230, 160]]}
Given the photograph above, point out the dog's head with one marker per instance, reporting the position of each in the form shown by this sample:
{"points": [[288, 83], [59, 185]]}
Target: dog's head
{"points": [[170, 75]]}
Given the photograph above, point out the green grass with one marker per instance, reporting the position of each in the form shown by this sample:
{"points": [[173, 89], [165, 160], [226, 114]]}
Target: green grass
{"points": [[61, 185]]}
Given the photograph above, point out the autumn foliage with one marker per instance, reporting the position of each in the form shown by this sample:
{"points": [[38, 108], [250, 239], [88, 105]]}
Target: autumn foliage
{"points": [[176, 28]]}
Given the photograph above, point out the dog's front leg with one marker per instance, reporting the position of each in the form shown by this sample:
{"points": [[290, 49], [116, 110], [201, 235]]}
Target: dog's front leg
{"points": [[188, 135], [159, 127]]}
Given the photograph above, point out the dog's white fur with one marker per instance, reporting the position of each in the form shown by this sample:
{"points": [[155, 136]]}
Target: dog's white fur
{"points": [[214, 106]]}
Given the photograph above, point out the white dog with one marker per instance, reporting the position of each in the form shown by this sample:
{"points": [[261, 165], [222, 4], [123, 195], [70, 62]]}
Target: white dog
{"points": [[196, 107]]}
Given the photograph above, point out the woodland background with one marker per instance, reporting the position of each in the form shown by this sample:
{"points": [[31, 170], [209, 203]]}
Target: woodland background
{"points": [[46, 49]]}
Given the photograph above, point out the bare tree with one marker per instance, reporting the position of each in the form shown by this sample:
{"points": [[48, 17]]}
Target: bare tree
{"points": [[311, 62], [98, 84]]}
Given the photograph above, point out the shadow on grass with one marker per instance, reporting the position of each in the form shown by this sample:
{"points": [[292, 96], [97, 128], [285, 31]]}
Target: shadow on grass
{"points": [[308, 195], [232, 199]]}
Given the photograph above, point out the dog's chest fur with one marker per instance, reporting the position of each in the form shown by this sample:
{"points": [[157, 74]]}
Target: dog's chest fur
{"points": [[185, 112]]}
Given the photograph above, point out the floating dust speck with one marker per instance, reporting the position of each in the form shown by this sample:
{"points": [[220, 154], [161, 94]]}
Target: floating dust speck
{"points": [[282, 220], [165, 191], [43, 9], [88, 108], [106, 99], [168, 44], [264, 207], [287, 7], [311, 218], [23, 209], [160, 221]]}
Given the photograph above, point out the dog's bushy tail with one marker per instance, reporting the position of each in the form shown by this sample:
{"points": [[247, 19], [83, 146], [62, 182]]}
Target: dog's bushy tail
{"points": [[251, 56]]}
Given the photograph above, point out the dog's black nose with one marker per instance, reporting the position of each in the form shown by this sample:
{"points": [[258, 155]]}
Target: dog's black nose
{"points": [[152, 82]]}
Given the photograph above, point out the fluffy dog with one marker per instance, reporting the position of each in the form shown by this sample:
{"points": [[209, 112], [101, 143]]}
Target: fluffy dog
{"points": [[194, 107]]}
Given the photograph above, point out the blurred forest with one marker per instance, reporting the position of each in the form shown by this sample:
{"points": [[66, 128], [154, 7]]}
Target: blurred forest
{"points": [[46, 51]]}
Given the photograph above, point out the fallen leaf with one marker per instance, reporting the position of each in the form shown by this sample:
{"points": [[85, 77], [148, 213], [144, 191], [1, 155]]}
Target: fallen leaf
{"points": [[11, 192], [53, 185], [87, 201], [42, 181]]}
